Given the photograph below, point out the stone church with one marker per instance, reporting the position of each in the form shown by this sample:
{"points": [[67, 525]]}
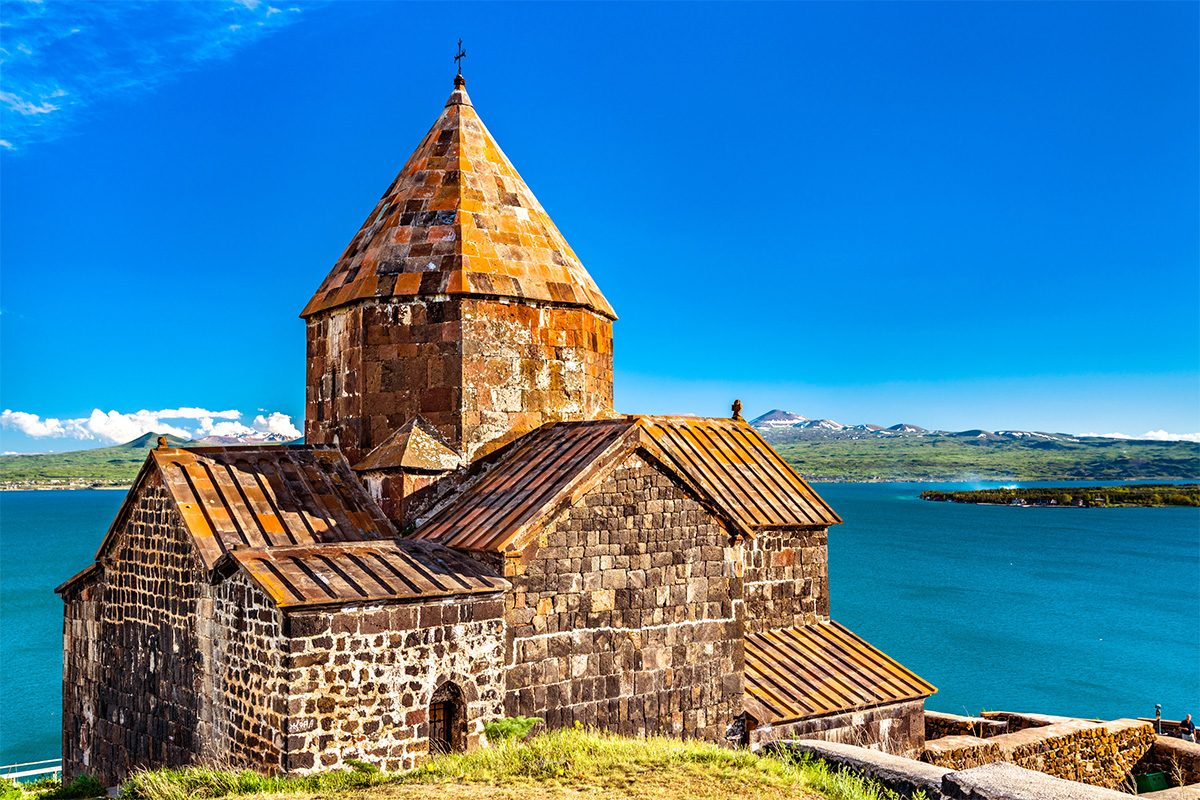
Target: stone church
{"points": [[470, 531]]}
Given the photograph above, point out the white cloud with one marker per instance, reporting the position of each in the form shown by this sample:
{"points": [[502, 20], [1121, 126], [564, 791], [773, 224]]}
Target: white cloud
{"points": [[229, 429], [71, 56], [34, 426], [115, 427], [277, 423], [1156, 436], [25, 107], [198, 413]]}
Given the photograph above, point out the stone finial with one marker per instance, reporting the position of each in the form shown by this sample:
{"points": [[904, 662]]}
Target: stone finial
{"points": [[162, 443], [737, 411]]}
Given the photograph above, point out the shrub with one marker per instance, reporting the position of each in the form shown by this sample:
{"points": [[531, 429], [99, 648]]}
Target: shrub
{"points": [[505, 728]]}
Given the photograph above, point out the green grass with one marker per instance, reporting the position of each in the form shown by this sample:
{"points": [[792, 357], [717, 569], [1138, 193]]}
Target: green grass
{"points": [[563, 763]]}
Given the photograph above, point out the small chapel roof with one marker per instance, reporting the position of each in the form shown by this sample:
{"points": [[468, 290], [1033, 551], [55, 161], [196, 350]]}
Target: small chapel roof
{"points": [[819, 669], [255, 496], [459, 219], [361, 572], [414, 446], [300, 524], [723, 461]]}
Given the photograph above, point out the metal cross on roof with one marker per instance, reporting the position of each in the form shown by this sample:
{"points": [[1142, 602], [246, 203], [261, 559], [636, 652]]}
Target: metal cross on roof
{"points": [[458, 58]]}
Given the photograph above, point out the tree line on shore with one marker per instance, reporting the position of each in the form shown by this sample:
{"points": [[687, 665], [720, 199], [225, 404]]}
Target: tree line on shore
{"points": [[1156, 494]]}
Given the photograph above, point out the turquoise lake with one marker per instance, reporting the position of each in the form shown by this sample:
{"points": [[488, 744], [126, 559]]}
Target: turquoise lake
{"points": [[1083, 612]]}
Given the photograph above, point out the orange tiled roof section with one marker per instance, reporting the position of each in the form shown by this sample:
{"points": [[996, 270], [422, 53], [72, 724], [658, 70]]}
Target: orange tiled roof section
{"points": [[819, 669], [255, 497], [353, 572], [459, 219], [725, 462]]}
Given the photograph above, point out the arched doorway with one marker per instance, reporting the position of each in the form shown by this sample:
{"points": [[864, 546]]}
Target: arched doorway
{"points": [[447, 720]]}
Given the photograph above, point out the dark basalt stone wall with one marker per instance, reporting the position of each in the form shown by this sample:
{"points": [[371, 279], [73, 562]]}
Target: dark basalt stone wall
{"points": [[629, 615]]}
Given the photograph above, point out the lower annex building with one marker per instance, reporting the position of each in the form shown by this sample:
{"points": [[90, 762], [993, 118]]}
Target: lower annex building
{"points": [[470, 532]]}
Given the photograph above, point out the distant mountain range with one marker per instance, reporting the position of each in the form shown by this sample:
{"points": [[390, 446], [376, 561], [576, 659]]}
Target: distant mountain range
{"points": [[101, 466], [819, 449], [778, 419], [824, 450]]}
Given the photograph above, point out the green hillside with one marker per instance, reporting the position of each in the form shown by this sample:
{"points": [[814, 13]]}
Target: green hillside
{"points": [[114, 465], [955, 457], [839, 457]]}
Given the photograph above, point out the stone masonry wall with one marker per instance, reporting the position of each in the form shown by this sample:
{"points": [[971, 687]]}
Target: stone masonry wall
{"points": [[480, 370], [897, 729], [525, 365], [1096, 753], [629, 616], [371, 367], [361, 678], [81, 672], [142, 647], [241, 632], [938, 725], [786, 579]]}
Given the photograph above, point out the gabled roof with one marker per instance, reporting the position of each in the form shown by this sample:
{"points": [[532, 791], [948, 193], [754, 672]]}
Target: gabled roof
{"points": [[540, 475], [459, 219], [261, 496], [365, 572], [415, 446], [797, 673]]}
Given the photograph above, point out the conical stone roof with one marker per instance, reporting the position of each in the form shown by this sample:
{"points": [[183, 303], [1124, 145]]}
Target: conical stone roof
{"points": [[458, 219]]}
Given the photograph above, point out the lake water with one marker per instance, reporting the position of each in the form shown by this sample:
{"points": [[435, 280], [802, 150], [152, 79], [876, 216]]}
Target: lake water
{"points": [[1083, 612]]}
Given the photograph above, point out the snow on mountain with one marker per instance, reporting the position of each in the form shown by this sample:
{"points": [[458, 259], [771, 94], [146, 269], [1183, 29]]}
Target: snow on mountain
{"points": [[256, 437], [904, 427], [777, 419], [822, 424]]}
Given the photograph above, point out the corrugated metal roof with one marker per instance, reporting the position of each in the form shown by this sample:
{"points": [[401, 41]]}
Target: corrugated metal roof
{"points": [[734, 464], [264, 496], [728, 465], [797, 673], [365, 571], [544, 473], [459, 219]]}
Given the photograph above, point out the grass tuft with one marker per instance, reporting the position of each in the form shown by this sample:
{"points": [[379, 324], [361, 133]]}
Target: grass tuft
{"points": [[551, 764]]}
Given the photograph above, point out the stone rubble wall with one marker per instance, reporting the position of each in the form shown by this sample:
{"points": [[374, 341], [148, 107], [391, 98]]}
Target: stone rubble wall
{"points": [[786, 579], [897, 729], [247, 680], [133, 658], [629, 614], [906, 777], [960, 751], [938, 725], [81, 674], [480, 370], [1178, 760], [361, 678], [1022, 721], [1095, 753]]}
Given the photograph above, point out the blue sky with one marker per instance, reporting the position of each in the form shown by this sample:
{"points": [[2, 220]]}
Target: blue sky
{"points": [[957, 215]]}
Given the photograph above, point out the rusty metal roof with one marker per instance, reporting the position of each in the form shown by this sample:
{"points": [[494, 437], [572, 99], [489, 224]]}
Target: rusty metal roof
{"points": [[724, 461], [732, 462], [458, 219], [797, 673], [416, 446], [262, 496], [353, 572]]}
